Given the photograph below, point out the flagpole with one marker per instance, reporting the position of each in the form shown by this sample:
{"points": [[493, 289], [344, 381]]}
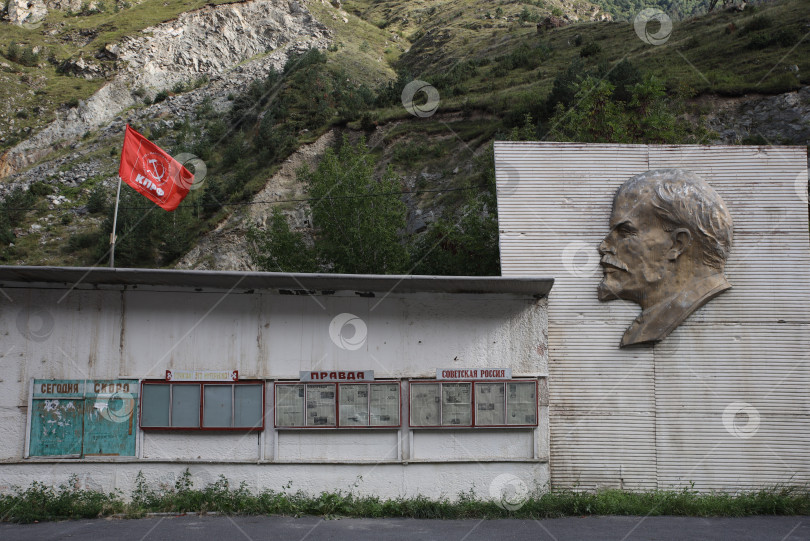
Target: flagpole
{"points": [[115, 222]]}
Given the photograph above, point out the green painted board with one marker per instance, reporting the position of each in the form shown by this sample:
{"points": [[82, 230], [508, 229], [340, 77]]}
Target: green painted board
{"points": [[109, 426], [79, 418], [56, 427]]}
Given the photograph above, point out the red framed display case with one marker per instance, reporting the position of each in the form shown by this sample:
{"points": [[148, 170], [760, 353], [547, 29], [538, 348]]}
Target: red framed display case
{"points": [[154, 409], [341, 419], [477, 419]]}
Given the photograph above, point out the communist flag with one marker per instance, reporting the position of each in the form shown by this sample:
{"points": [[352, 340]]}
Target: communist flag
{"points": [[152, 172]]}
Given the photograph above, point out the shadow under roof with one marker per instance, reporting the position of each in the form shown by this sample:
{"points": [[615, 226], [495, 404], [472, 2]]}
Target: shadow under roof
{"points": [[299, 283]]}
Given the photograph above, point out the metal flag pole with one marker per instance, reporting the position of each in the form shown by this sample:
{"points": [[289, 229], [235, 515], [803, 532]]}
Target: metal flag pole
{"points": [[115, 222]]}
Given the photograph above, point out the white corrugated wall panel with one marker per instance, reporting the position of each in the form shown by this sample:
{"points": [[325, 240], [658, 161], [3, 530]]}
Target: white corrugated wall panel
{"points": [[653, 417]]}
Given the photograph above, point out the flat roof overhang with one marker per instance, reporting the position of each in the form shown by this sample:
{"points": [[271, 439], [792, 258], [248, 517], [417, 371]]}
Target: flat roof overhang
{"points": [[291, 283]]}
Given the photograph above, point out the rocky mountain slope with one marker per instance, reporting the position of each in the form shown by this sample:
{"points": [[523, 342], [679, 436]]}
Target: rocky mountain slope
{"points": [[204, 45], [190, 80]]}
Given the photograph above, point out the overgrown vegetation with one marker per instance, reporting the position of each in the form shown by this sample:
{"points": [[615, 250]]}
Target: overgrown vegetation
{"points": [[360, 221], [40, 502], [600, 115], [23, 55], [12, 211]]}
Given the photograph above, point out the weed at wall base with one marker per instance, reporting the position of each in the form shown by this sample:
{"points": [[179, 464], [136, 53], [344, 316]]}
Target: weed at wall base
{"points": [[70, 500]]}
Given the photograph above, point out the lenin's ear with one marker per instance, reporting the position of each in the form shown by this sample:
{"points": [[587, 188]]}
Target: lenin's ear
{"points": [[681, 240]]}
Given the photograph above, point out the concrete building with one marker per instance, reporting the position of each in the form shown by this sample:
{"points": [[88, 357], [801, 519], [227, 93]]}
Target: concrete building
{"points": [[413, 385], [272, 379]]}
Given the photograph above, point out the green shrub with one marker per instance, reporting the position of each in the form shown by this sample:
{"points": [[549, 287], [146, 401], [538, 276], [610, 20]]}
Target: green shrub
{"points": [[40, 189], [13, 52], [692, 43], [779, 84], [525, 56], [308, 58], [565, 86], [590, 49], [757, 23], [97, 200], [22, 55], [279, 249], [82, 241], [624, 76], [786, 37]]}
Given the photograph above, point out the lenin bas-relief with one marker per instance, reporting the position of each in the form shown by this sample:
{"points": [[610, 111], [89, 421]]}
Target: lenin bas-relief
{"points": [[670, 235]]}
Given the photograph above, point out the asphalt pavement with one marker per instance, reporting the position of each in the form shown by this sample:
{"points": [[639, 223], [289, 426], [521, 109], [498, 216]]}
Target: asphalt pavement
{"points": [[224, 528]]}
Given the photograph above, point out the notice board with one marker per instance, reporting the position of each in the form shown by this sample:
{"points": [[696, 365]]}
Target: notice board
{"points": [[82, 418]]}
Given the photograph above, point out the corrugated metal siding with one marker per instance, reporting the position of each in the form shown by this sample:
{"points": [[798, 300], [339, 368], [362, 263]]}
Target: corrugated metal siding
{"points": [[653, 417]]}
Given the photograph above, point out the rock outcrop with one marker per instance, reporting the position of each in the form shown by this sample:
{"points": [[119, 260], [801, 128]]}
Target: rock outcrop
{"points": [[209, 42], [26, 12], [773, 120], [32, 12], [225, 248]]}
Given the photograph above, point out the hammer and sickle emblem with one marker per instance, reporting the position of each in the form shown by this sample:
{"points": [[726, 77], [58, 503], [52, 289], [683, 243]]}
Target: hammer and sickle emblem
{"points": [[154, 163]]}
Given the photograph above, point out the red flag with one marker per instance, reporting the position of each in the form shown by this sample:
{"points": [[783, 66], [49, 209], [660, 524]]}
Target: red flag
{"points": [[152, 172]]}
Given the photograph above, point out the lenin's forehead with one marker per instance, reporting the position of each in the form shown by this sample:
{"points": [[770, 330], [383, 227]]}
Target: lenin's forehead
{"points": [[633, 197]]}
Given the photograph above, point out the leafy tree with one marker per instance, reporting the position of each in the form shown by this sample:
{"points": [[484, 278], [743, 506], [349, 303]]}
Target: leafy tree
{"points": [[358, 219], [147, 235], [12, 211], [465, 244], [279, 249], [624, 76], [565, 86]]}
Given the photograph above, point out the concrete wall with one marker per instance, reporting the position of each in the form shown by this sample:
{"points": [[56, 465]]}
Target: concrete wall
{"points": [[100, 332], [723, 401]]}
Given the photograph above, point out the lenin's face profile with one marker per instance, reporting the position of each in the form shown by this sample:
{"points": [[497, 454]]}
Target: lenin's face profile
{"points": [[634, 252], [669, 237]]}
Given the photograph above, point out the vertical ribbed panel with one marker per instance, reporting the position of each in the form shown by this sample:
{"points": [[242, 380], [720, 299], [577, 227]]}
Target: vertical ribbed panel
{"points": [[654, 417]]}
